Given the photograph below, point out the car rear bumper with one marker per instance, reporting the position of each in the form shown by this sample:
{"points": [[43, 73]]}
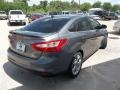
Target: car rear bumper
{"points": [[47, 64], [17, 21]]}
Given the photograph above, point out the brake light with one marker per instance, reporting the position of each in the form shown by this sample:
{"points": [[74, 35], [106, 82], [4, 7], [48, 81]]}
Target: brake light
{"points": [[50, 46]]}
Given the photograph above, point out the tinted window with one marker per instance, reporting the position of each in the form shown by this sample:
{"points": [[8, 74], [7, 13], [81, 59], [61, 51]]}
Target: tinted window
{"points": [[66, 12], [94, 23], [83, 25], [80, 25], [112, 14], [99, 13], [47, 25], [15, 12], [53, 13]]}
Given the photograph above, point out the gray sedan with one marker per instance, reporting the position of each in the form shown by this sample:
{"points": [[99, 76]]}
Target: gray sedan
{"points": [[55, 44]]}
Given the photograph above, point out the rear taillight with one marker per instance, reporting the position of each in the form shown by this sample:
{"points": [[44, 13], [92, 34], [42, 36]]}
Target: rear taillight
{"points": [[50, 46]]}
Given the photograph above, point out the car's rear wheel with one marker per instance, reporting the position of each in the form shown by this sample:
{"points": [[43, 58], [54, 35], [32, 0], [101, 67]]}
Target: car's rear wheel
{"points": [[104, 44], [75, 66]]}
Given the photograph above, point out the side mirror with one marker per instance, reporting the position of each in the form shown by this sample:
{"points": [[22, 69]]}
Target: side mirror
{"points": [[101, 27]]}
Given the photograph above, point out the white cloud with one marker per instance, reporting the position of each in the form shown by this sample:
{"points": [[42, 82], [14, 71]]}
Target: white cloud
{"points": [[82, 1], [9, 0]]}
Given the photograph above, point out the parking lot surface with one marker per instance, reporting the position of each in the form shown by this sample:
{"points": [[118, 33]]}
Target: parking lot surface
{"points": [[100, 72]]}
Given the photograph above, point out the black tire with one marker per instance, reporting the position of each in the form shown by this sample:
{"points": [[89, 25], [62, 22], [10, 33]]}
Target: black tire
{"points": [[104, 44], [71, 72]]}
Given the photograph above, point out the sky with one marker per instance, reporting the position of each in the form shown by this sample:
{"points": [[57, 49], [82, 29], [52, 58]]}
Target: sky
{"points": [[31, 2]]}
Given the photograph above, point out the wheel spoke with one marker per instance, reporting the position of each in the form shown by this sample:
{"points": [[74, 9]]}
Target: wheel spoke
{"points": [[76, 64]]}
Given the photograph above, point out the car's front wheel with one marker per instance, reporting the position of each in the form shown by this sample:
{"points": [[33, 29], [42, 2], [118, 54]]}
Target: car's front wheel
{"points": [[75, 66]]}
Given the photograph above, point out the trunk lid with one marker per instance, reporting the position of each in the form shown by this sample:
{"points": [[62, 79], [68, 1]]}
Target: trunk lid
{"points": [[20, 42]]}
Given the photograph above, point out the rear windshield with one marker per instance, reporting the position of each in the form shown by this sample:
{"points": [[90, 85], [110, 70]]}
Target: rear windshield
{"points": [[47, 25], [16, 12]]}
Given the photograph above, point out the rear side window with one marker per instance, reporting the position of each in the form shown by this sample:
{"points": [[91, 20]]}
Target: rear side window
{"points": [[16, 12], [47, 25]]}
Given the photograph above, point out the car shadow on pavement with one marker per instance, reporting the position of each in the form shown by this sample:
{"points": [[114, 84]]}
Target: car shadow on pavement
{"points": [[103, 76]]}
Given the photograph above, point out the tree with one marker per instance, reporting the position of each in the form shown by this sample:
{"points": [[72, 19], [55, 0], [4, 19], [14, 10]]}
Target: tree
{"points": [[1, 4], [74, 5], [97, 4], [43, 4], [56, 5], [115, 7], [66, 6], [107, 6], [85, 6]]}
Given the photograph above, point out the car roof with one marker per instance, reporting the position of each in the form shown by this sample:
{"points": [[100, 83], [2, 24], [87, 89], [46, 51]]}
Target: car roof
{"points": [[15, 10], [67, 16]]}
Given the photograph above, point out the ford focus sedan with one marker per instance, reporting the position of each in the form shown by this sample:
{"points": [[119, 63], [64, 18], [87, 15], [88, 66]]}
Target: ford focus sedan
{"points": [[54, 44]]}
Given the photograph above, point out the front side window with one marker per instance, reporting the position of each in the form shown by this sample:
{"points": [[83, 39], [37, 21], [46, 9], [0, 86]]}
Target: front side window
{"points": [[80, 25], [94, 23], [83, 25]]}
